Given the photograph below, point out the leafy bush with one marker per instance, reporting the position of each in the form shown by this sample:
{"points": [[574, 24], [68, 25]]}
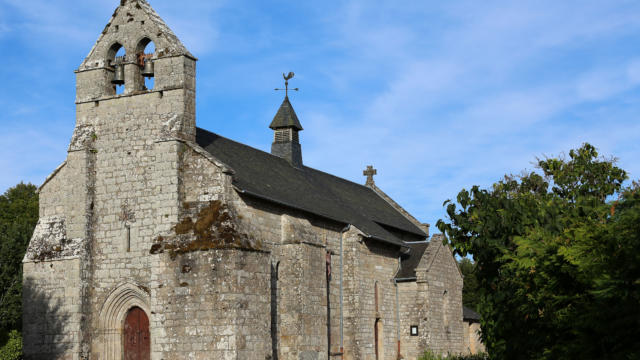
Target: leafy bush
{"points": [[12, 350], [428, 355], [18, 218], [557, 257]]}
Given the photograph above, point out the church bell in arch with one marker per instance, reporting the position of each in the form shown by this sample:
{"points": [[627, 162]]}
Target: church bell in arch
{"points": [[118, 77], [147, 70]]}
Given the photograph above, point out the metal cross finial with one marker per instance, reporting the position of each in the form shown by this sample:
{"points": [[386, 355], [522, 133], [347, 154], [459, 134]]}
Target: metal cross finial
{"points": [[286, 84], [369, 174]]}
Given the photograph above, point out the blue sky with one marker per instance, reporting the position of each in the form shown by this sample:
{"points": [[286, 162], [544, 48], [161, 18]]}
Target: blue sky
{"points": [[437, 95]]}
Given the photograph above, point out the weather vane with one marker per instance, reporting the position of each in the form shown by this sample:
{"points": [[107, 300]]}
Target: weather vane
{"points": [[286, 84]]}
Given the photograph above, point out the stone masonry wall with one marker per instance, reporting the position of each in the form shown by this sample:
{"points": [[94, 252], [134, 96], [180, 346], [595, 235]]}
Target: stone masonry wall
{"points": [[299, 244], [301, 302], [212, 305], [440, 281], [52, 320], [368, 263], [472, 341], [409, 316], [55, 265]]}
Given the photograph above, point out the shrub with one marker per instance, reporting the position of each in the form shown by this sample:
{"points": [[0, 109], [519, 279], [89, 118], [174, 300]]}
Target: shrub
{"points": [[12, 350], [428, 355]]}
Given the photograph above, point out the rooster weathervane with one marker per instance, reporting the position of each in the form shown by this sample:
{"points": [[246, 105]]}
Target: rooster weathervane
{"points": [[286, 84]]}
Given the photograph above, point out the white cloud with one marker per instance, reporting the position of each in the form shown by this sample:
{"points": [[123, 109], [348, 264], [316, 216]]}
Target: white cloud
{"points": [[78, 23], [59, 22], [603, 84], [469, 108], [29, 154]]}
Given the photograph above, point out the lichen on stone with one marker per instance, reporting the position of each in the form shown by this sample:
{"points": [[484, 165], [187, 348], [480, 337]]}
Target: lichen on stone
{"points": [[49, 241], [83, 137], [205, 226]]}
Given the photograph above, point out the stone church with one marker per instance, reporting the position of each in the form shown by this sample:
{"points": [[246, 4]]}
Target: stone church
{"points": [[161, 240]]}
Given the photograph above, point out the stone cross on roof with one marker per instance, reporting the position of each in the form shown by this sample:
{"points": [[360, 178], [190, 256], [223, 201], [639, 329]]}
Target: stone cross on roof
{"points": [[369, 173]]}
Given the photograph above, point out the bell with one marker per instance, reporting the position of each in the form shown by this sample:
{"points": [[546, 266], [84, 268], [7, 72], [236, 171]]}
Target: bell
{"points": [[147, 71], [118, 77]]}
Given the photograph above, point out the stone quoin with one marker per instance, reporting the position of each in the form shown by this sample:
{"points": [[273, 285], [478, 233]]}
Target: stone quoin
{"points": [[161, 240]]}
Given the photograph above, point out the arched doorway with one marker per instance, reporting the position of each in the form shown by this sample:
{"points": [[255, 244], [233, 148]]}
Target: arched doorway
{"points": [[137, 344]]}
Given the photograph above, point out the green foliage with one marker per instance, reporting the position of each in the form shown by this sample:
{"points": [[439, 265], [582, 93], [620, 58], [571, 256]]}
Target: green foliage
{"points": [[18, 217], [428, 355], [12, 350], [558, 266], [470, 291]]}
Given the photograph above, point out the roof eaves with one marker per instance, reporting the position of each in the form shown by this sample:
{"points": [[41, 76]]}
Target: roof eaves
{"points": [[421, 233], [263, 197], [386, 241], [399, 208]]}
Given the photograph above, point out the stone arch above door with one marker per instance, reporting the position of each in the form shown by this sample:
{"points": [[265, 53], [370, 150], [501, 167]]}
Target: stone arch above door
{"points": [[122, 298]]}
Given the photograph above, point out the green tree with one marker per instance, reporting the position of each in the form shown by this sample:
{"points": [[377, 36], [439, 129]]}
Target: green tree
{"points": [[470, 295], [12, 350], [558, 262], [18, 218]]}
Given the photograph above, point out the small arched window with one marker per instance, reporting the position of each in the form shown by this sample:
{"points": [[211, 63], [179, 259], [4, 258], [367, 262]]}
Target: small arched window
{"points": [[145, 52], [116, 58]]}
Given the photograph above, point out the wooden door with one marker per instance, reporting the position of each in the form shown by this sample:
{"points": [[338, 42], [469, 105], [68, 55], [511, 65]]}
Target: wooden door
{"points": [[137, 344]]}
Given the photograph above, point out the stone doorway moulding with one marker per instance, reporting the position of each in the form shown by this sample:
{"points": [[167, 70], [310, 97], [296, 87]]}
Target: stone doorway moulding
{"points": [[112, 317]]}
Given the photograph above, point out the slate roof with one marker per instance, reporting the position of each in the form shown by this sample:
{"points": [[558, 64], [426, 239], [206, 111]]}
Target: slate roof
{"points": [[468, 314], [410, 262], [286, 117], [266, 176]]}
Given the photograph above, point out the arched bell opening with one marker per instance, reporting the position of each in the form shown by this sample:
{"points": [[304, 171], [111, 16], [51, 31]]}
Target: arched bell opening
{"points": [[145, 53], [116, 58]]}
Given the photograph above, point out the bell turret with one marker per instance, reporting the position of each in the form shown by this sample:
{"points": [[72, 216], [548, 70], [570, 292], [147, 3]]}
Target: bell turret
{"points": [[286, 126]]}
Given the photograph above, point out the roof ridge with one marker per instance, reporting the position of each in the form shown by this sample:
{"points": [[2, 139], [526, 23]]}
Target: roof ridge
{"points": [[277, 157], [399, 208], [244, 145], [340, 178]]}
